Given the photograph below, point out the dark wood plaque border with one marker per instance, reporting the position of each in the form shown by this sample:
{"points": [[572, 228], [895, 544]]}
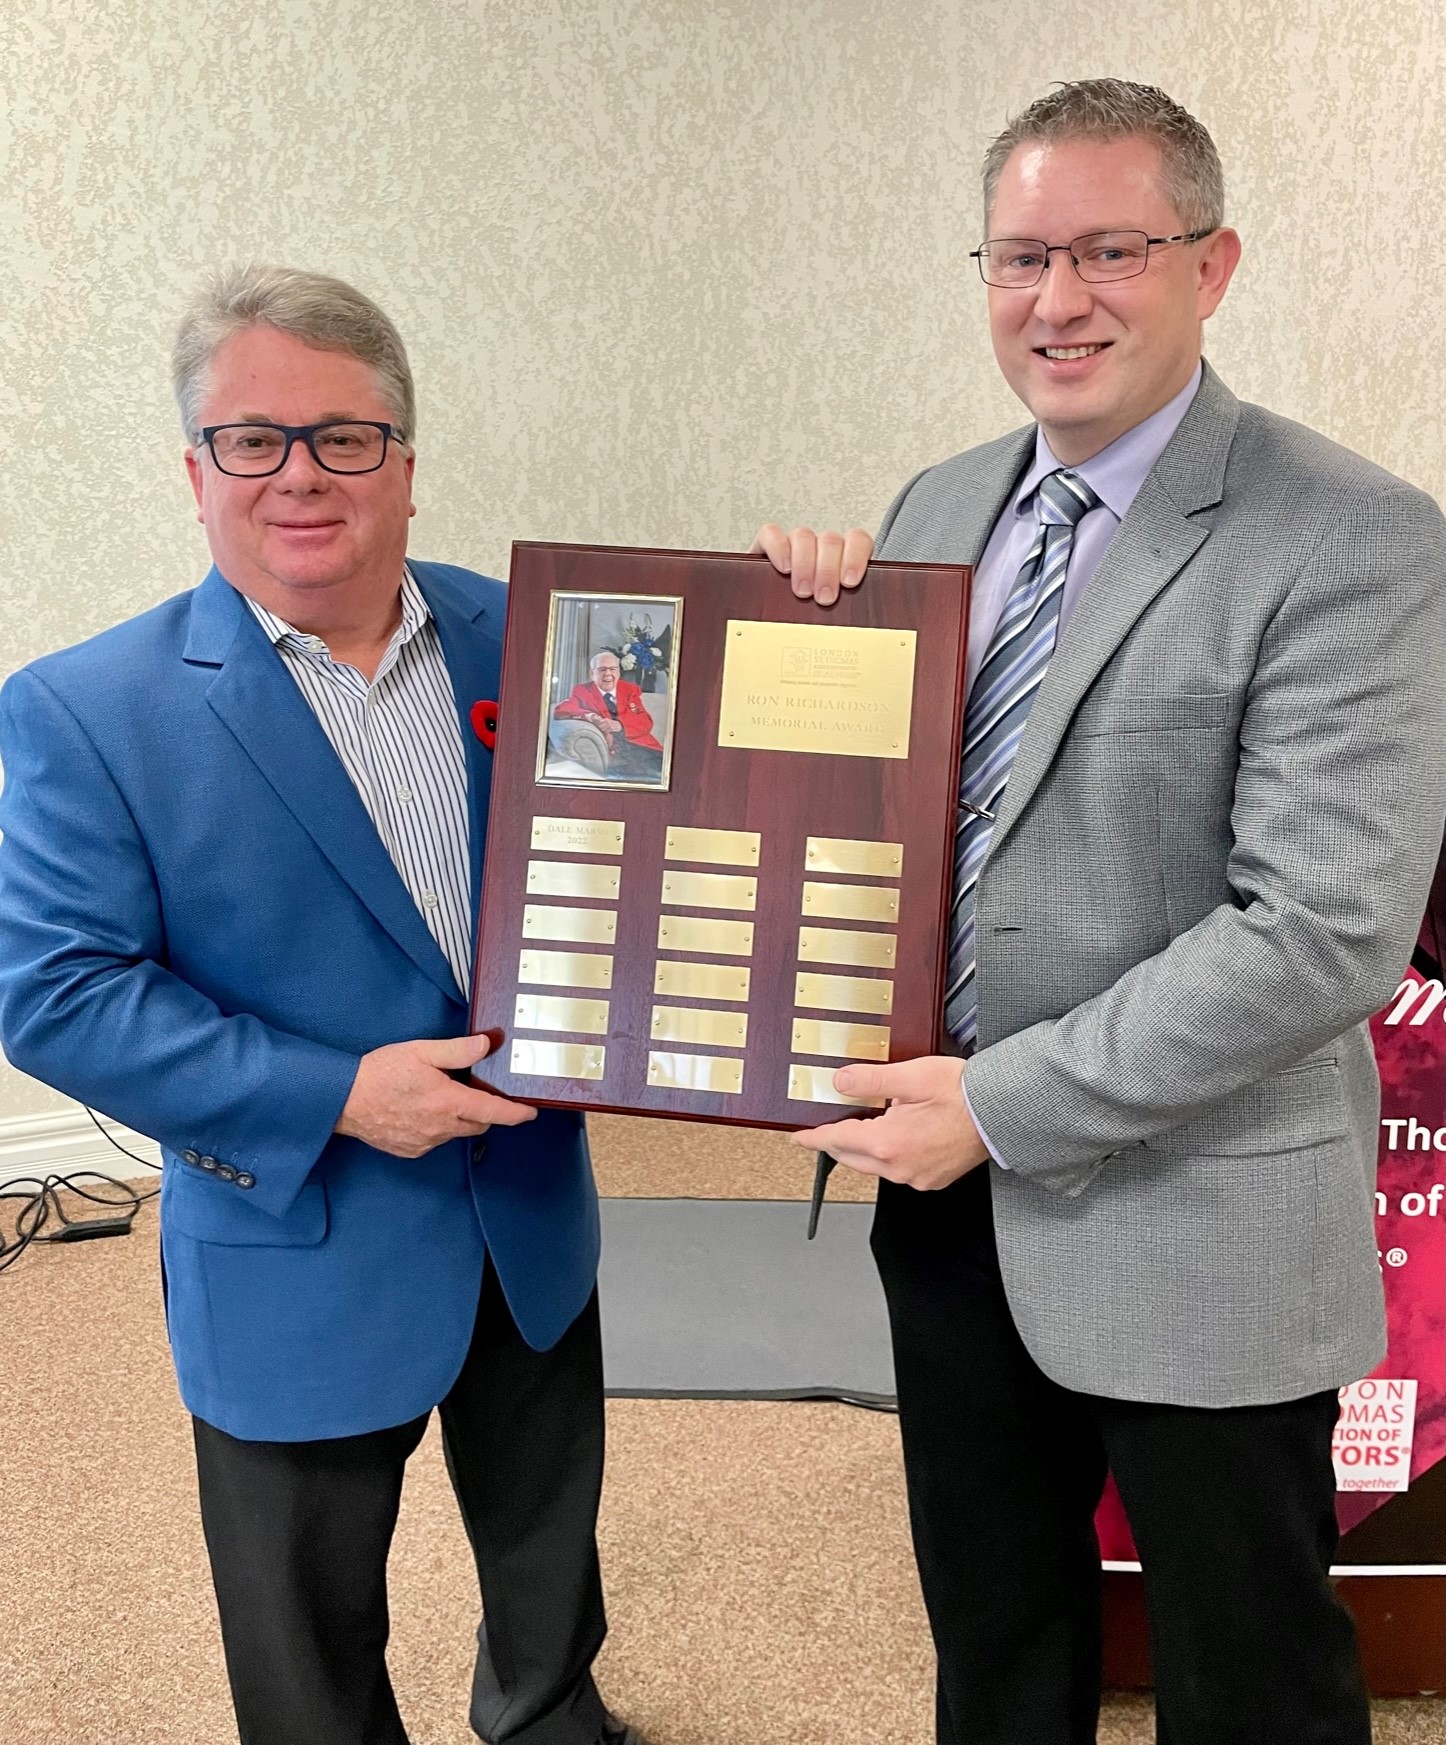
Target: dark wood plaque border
{"points": [[786, 796]]}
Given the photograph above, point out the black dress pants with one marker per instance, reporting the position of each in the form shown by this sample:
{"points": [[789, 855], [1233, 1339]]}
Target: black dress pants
{"points": [[1232, 1510], [298, 1534]]}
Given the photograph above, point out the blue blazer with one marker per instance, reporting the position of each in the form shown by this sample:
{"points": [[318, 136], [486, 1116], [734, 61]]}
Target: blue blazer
{"points": [[200, 934]]}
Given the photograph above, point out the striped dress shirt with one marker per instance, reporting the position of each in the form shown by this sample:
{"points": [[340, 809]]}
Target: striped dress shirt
{"points": [[400, 740]]}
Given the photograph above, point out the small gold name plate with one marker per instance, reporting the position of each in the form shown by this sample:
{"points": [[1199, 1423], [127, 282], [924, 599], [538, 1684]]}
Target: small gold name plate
{"points": [[701, 933], [695, 1024], [565, 969], [578, 835], [837, 854], [557, 1060], [701, 981], [844, 1041], [588, 926], [850, 902], [696, 890], [695, 1072], [571, 878], [557, 1012], [828, 688], [713, 847], [814, 1084], [858, 950], [843, 993]]}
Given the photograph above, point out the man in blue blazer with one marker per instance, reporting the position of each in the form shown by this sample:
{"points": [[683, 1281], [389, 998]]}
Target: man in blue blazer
{"points": [[242, 854]]}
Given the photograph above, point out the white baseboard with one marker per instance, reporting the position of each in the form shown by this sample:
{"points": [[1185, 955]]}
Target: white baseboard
{"points": [[65, 1142]]}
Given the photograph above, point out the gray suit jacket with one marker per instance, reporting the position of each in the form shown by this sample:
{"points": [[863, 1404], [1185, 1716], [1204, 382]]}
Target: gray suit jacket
{"points": [[1209, 868]]}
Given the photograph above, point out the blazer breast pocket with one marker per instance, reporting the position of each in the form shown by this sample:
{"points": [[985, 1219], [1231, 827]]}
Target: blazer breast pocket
{"points": [[214, 1211], [1106, 714]]}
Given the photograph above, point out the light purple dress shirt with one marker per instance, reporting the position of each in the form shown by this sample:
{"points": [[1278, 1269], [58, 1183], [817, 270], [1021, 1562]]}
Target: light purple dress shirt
{"points": [[1115, 475]]}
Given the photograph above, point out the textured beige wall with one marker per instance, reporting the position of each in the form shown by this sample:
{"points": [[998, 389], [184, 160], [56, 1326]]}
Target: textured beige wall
{"points": [[664, 266]]}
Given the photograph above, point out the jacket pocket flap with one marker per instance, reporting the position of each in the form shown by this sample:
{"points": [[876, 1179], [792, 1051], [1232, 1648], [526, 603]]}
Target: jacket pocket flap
{"points": [[217, 1211], [1301, 1106]]}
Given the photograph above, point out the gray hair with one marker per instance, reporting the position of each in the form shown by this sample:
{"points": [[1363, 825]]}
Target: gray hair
{"points": [[1105, 109], [323, 312]]}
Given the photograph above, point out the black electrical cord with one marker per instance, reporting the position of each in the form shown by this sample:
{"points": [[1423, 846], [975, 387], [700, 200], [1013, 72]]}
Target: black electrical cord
{"points": [[41, 1205]]}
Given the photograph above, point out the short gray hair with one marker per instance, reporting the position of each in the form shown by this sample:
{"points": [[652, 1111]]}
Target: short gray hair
{"points": [[323, 312], [1104, 109]]}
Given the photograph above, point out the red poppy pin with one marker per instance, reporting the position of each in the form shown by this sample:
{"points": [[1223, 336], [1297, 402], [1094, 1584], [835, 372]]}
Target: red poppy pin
{"points": [[484, 723]]}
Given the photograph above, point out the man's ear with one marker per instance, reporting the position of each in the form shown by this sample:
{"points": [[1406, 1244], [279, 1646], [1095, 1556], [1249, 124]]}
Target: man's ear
{"points": [[193, 473], [1219, 258]]}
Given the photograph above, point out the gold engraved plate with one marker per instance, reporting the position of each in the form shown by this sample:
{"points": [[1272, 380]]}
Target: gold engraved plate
{"points": [[557, 1060], [557, 1012], [845, 1041], [713, 847], [565, 969], [571, 878], [850, 902], [702, 933], [710, 890], [694, 1072], [814, 1084], [701, 981], [587, 926], [578, 835], [843, 993], [692, 1024], [827, 688], [858, 950], [837, 854]]}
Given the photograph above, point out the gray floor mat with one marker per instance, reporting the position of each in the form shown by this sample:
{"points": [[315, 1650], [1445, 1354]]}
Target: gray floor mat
{"points": [[718, 1299]]}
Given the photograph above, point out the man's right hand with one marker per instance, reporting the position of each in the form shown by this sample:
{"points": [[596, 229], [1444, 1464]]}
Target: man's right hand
{"points": [[816, 564], [403, 1100]]}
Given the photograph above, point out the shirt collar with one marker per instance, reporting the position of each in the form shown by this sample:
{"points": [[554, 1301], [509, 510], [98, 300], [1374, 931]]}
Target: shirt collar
{"points": [[415, 613], [1116, 473]]}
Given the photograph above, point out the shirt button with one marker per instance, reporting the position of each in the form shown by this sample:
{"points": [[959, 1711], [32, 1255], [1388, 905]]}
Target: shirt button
{"points": [[404, 794], [315, 644], [430, 899]]}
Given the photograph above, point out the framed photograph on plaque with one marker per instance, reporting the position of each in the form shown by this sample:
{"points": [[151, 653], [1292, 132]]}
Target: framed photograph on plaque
{"points": [[716, 869]]}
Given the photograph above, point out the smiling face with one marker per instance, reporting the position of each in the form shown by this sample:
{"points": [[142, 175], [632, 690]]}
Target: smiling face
{"points": [[1093, 361], [307, 544], [606, 671]]}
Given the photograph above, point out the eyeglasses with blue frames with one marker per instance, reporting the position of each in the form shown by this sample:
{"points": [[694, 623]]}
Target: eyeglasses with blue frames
{"points": [[1102, 257], [251, 451]]}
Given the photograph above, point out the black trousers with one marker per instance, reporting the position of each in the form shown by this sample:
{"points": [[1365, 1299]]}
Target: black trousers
{"points": [[1232, 1510], [298, 1534]]}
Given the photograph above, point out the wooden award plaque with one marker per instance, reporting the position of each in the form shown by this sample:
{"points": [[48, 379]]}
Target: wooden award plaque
{"points": [[720, 837]]}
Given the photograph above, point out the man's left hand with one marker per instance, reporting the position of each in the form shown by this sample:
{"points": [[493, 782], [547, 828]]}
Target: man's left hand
{"points": [[926, 1137]]}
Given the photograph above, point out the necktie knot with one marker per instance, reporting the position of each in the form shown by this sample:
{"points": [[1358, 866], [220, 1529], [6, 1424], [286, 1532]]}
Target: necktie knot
{"points": [[1064, 499]]}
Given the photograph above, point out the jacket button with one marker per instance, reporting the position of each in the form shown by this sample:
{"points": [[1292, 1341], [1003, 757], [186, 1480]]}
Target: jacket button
{"points": [[208, 1163], [225, 1173], [245, 1179], [190, 1157]]}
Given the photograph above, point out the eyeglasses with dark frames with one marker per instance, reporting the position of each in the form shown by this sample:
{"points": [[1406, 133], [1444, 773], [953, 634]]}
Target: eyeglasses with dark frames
{"points": [[1101, 257], [252, 451]]}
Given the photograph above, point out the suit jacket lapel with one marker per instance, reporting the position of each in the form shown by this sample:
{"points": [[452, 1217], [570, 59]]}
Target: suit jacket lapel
{"points": [[272, 722], [1154, 542], [472, 646]]}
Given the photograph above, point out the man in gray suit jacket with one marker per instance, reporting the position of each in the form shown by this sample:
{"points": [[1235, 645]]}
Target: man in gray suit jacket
{"points": [[1203, 784]]}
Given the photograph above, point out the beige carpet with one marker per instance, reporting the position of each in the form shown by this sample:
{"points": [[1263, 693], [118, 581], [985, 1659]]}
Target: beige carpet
{"points": [[756, 1558]]}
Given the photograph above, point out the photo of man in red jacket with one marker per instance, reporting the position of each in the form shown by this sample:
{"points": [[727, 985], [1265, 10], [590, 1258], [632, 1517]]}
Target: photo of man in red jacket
{"points": [[627, 749]]}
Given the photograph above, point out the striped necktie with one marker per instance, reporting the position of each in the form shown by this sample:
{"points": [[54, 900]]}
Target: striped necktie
{"points": [[999, 704]]}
